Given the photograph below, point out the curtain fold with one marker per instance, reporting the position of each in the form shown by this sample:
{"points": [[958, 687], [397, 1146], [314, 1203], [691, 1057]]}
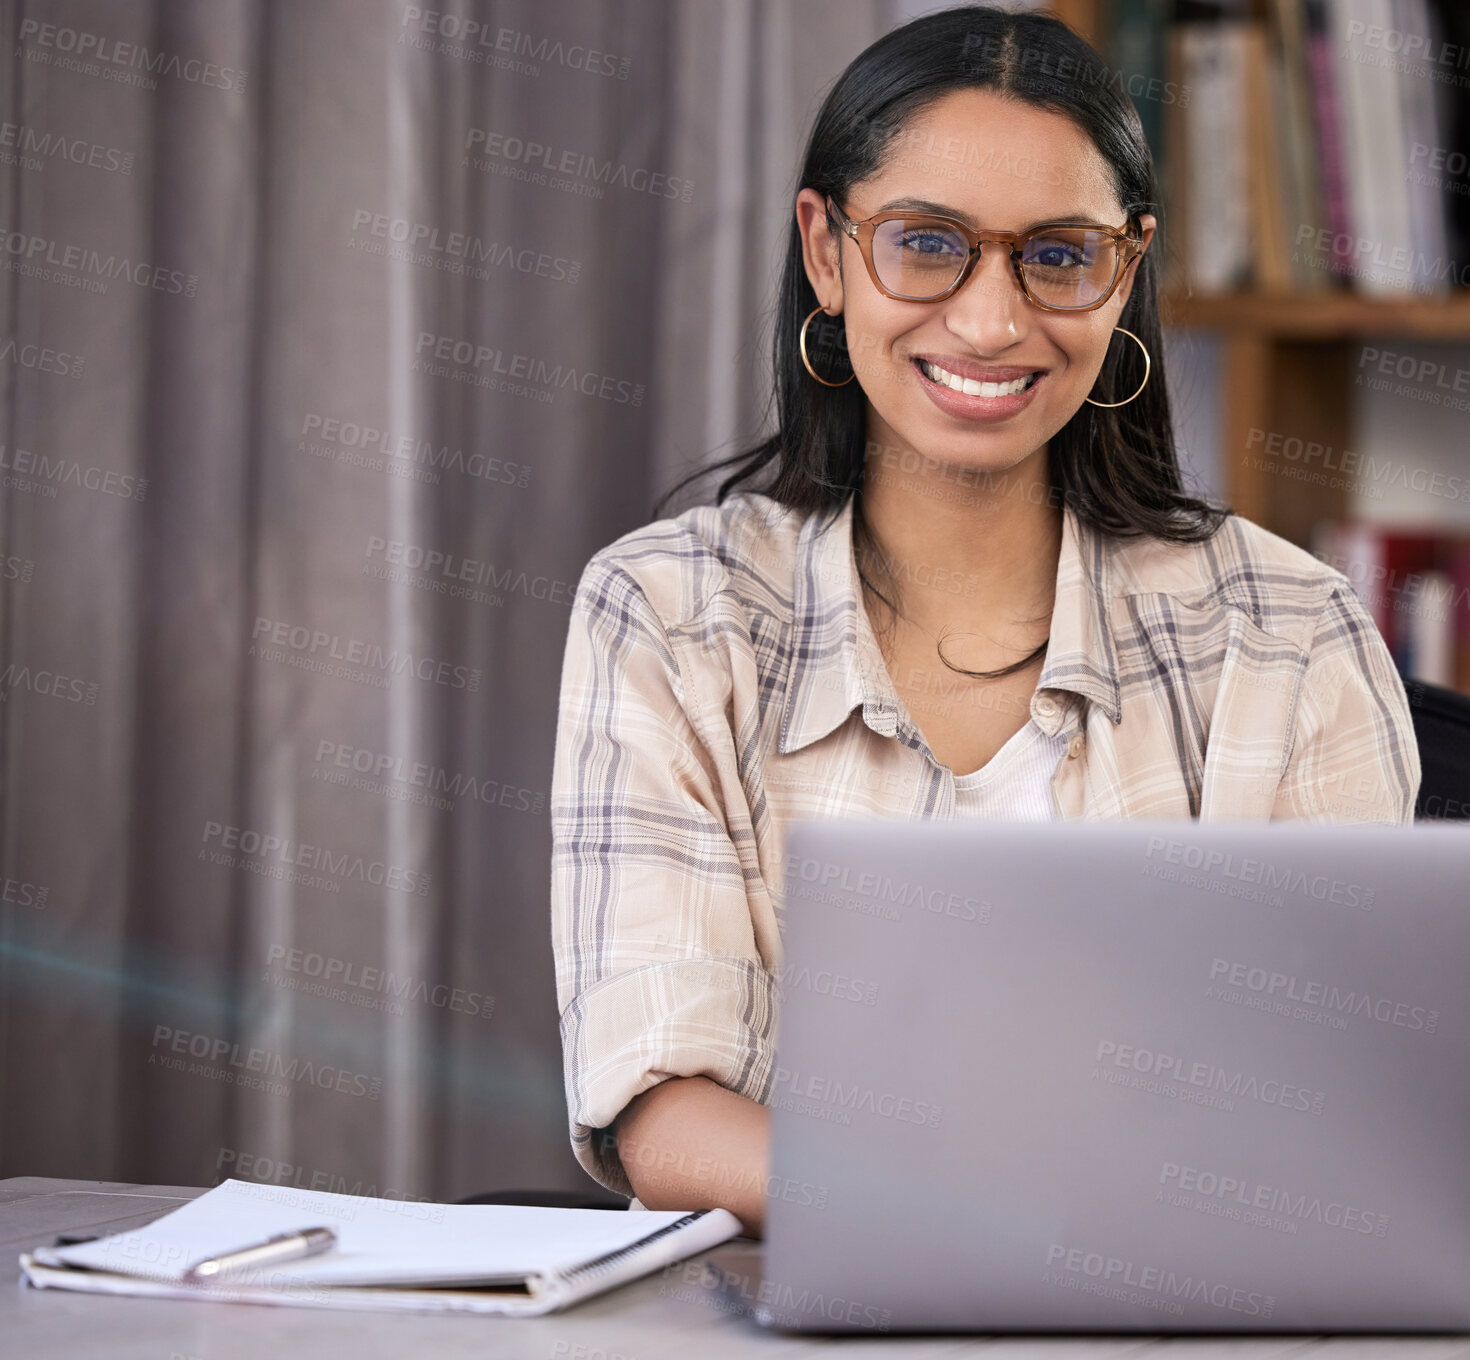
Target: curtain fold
{"points": [[334, 338]]}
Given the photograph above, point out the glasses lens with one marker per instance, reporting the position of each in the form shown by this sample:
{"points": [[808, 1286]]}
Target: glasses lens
{"points": [[918, 257], [1069, 266]]}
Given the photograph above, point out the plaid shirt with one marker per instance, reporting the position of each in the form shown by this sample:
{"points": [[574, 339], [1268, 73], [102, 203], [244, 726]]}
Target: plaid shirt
{"points": [[721, 678]]}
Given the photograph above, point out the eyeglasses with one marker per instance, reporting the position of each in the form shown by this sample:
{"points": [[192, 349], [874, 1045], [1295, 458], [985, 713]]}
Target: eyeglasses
{"points": [[1061, 266]]}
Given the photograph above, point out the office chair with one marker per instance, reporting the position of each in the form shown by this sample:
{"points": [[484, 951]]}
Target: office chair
{"points": [[1442, 730]]}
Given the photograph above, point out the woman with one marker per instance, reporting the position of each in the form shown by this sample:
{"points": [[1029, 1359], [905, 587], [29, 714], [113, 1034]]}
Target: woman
{"points": [[972, 585]]}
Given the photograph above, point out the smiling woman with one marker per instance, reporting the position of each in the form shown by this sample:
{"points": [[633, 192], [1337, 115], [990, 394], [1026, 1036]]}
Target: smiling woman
{"points": [[974, 455]]}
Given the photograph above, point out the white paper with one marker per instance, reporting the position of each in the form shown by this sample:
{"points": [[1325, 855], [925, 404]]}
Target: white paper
{"points": [[380, 1241]]}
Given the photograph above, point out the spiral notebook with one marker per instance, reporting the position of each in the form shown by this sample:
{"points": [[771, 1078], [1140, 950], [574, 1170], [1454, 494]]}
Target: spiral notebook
{"points": [[401, 1255]]}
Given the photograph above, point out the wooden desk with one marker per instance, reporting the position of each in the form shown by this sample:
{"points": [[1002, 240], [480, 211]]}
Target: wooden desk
{"points": [[663, 1317]]}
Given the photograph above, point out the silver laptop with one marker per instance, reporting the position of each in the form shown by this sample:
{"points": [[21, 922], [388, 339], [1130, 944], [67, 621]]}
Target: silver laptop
{"points": [[1119, 1076]]}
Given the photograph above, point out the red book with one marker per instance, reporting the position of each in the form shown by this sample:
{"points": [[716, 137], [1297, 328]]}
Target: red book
{"points": [[1327, 121], [1459, 570], [1416, 585]]}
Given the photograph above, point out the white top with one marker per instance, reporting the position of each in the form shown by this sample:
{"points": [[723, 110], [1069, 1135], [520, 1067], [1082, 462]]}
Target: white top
{"points": [[1015, 783]]}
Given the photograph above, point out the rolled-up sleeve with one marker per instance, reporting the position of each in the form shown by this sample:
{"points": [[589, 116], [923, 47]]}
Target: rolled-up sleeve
{"points": [[1353, 755], [657, 970]]}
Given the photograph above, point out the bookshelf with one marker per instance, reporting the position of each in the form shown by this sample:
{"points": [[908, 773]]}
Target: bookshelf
{"points": [[1295, 120], [1317, 316], [1290, 364], [1289, 358], [1311, 217]]}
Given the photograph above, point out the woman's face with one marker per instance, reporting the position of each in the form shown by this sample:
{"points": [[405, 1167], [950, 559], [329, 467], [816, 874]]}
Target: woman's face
{"points": [[994, 163]]}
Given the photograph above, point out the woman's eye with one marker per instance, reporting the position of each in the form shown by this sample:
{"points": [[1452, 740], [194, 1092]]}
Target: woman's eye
{"points": [[1056, 254], [927, 242]]}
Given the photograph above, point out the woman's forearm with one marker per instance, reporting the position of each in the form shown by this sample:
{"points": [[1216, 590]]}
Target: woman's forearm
{"points": [[690, 1143]]}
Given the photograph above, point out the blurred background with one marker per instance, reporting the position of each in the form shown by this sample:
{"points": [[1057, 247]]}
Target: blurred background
{"points": [[336, 336]]}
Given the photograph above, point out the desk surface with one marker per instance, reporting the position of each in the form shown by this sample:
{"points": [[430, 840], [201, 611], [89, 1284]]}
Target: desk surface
{"points": [[662, 1317]]}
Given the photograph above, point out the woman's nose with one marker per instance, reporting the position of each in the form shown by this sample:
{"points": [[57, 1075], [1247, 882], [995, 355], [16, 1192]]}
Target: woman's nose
{"points": [[989, 310]]}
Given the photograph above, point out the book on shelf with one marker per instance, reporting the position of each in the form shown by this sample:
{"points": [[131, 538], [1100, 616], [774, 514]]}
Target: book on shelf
{"points": [[1321, 83], [1289, 125], [1311, 146], [1139, 57], [1415, 582], [1209, 157], [1450, 161], [1376, 154], [1424, 122]]}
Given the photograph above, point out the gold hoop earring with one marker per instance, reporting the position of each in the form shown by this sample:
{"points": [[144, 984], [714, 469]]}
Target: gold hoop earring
{"points": [[808, 363], [1147, 369]]}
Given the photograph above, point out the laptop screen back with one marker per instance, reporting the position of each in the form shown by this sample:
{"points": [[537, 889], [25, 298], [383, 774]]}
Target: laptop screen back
{"points": [[1121, 1076]]}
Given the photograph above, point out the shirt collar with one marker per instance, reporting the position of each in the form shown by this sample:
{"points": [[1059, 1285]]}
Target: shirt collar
{"points": [[836, 663]]}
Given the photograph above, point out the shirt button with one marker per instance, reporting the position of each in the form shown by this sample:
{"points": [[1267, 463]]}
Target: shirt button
{"points": [[1046, 706], [1074, 749]]}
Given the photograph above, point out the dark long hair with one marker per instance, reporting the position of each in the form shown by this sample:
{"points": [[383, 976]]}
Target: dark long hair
{"points": [[1118, 469]]}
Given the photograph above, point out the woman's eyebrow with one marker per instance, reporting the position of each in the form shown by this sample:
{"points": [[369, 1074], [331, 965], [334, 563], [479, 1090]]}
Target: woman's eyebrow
{"points": [[933, 209]]}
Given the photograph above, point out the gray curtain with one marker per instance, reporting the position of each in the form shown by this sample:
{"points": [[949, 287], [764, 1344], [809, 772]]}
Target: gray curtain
{"points": [[319, 384]]}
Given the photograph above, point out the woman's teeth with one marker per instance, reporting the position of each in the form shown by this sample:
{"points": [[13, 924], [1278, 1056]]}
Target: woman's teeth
{"points": [[973, 386]]}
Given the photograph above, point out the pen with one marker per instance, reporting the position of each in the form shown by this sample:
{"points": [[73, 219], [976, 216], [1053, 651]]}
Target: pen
{"points": [[291, 1246]]}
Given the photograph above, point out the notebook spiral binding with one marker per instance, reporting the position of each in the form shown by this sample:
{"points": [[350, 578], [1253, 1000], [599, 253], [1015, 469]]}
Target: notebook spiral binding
{"points": [[601, 1263]]}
